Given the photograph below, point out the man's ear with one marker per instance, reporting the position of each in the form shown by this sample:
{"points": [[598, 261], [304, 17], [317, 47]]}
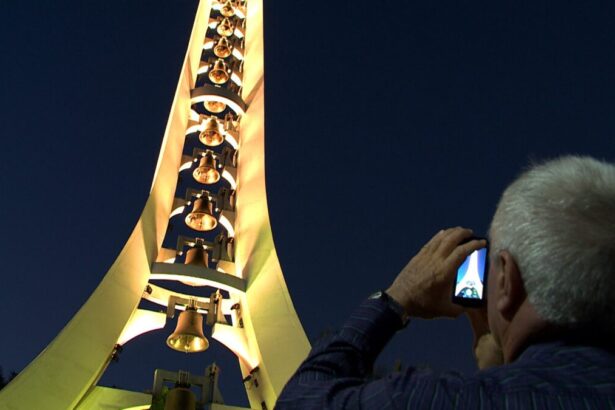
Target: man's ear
{"points": [[510, 289]]}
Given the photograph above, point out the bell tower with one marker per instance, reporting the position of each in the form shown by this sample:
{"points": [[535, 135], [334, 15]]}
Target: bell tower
{"points": [[204, 229]]}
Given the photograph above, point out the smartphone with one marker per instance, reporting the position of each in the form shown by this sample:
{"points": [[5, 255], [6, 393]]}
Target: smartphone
{"points": [[470, 287]]}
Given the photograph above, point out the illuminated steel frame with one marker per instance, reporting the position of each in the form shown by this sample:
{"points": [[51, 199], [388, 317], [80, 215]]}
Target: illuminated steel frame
{"points": [[264, 331]]}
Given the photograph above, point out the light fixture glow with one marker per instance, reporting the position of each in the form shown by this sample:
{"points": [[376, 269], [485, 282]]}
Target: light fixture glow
{"points": [[208, 44], [236, 78], [177, 211], [227, 225], [229, 177], [185, 166], [141, 321], [230, 137], [237, 53]]}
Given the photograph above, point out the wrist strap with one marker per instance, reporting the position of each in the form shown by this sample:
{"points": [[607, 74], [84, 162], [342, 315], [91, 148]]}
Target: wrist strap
{"points": [[392, 305]]}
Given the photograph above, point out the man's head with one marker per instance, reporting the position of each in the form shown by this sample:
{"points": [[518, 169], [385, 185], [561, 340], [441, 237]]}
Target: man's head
{"points": [[553, 249]]}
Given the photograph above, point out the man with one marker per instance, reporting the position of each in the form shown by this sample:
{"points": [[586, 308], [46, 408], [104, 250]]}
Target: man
{"points": [[550, 296]]}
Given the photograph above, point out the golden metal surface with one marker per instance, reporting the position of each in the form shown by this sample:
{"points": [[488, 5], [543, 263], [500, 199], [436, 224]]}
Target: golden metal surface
{"points": [[219, 72], [212, 133], [206, 172], [223, 49], [202, 217], [188, 336]]}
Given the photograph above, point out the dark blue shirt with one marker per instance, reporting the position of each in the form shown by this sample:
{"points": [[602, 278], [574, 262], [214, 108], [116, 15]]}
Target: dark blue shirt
{"points": [[553, 375]]}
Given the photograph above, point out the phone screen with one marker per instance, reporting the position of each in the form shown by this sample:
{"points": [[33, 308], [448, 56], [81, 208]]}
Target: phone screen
{"points": [[469, 286]]}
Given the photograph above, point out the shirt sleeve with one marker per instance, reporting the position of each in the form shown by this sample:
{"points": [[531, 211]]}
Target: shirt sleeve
{"points": [[336, 373]]}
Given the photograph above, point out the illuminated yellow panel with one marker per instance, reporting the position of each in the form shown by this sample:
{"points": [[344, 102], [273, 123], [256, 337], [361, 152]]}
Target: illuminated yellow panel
{"points": [[141, 321], [81, 351]]}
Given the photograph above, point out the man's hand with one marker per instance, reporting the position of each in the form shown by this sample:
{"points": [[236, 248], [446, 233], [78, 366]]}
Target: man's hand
{"points": [[424, 286], [487, 351]]}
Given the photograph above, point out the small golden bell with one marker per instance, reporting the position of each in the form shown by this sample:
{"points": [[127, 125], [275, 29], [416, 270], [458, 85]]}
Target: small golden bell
{"points": [[227, 9], [222, 48], [219, 72], [212, 133], [202, 217], [215, 107], [206, 172], [225, 27]]}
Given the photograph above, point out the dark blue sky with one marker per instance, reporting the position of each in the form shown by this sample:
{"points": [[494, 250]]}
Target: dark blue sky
{"points": [[386, 121]]}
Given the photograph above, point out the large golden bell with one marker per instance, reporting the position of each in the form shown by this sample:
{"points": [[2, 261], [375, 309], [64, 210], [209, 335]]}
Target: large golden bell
{"points": [[219, 72], [214, 106], [180, 398], [212, 133], [225, 27], [222, 48], [202, 217], [188, 336], [227, 9], [206, 172]]}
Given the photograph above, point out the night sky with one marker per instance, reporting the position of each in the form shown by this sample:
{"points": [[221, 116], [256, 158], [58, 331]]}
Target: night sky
{"points": [[386, 121]]}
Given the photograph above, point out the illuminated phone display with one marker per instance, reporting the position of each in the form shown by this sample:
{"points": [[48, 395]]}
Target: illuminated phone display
{"points": [[470, 283]]}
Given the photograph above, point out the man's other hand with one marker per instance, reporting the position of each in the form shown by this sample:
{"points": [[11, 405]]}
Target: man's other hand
{"points": [[424, 286]]}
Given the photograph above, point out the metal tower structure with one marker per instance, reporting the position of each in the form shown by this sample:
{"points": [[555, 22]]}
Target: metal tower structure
{"points": [[205, 224]]}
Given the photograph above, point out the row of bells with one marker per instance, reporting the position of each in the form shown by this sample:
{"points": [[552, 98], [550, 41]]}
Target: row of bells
{"points": [[188, 335]]}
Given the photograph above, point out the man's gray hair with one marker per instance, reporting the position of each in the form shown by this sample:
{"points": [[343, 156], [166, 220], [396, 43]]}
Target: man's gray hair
{"points": [[558, 221]]}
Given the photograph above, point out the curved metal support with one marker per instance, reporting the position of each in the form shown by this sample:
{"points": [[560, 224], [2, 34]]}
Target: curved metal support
{"points": [[160, 296], [234, 338], [203, 276], [213, 93], [141, 321]]}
